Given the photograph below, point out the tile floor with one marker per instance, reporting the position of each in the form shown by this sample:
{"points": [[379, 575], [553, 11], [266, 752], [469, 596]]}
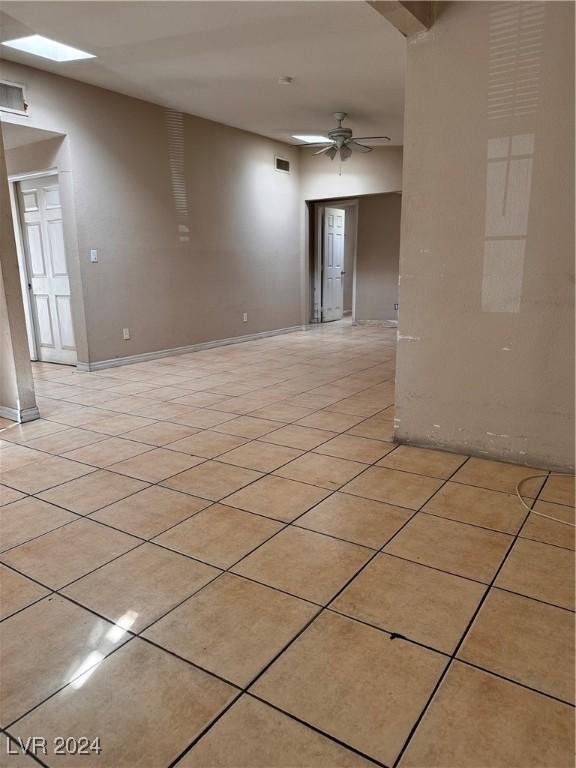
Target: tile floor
{"points": [[221, 560]]}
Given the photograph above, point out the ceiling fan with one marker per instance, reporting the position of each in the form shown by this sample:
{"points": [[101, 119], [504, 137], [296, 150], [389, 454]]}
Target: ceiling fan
{"points": [[341, 141]]}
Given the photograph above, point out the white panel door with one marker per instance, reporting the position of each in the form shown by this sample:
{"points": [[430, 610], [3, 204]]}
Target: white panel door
{"points": [[48, 281], [333, 264]]}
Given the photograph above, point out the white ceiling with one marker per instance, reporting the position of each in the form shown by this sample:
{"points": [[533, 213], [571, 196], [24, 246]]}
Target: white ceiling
{"points": [[222, 60]]}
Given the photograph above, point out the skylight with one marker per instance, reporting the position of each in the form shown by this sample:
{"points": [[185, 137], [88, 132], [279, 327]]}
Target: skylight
{"points": [[38, 45], [310, 139]]}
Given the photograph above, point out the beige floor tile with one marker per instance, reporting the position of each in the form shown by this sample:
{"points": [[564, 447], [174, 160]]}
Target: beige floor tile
{"points": [[263, 457], [166, 394], [478, 506], [200, 399], [137, 588], [526, 641], [68, 440], [420, 603], [17, 456], [28, 518], [294, 436], [423, 461], [355, 448], [540, 571], [161, 433], [203, 418], [219, 535], [212, 480], [233, 627], [282, 412], [117, 424], [356, 407], [463, 550], [138, 684], [386, 684], [17, 592], [61, 640], [277, 498], [156, 465], [498, 476], [403, 489], [376, 427], [305, 564], [107, 452], [550, 531], [477, 719], [334, 422], [67, 553], [253, 735], [324, 471], [559, 489], [207, 443], [91, 492], [247, 426], [151, 511], [8, 495], [30, 430], [44, 474], [362, 521]]}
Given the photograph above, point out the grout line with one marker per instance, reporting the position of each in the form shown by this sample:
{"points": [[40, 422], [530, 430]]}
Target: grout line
{"points": [[460, 642]]}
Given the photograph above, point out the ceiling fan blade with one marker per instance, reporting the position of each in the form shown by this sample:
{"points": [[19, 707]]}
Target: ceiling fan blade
{"points": [[360, 147], [372, 138]]}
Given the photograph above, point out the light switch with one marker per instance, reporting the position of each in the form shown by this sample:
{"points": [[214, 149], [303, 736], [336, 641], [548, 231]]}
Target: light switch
{"points": [[93, 255]]}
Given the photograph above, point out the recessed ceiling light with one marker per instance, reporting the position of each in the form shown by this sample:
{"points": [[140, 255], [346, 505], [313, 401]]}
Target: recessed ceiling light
{"points": [[38, 45], [310, 138]]}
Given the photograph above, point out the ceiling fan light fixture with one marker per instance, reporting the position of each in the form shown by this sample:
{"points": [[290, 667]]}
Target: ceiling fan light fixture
{"points": [[345, 152]]}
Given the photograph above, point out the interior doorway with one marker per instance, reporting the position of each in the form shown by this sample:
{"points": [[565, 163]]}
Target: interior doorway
{"points": [[333, 263], [45, 281]]}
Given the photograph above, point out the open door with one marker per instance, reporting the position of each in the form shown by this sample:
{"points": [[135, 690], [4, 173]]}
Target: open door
{"points": [[333, 264], [46, 269]]}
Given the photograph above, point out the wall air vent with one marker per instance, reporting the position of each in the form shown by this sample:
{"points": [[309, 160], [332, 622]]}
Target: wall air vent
{"points": [[281, 164], [12, 98]]}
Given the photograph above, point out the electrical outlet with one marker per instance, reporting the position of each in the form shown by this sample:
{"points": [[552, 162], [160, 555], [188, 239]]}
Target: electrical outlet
{"points": [[93, 255], [244, 317], [126, 334]]}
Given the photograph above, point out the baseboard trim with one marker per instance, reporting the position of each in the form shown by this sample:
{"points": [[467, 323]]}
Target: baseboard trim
{"points": [[19, 415], [116, 362]]}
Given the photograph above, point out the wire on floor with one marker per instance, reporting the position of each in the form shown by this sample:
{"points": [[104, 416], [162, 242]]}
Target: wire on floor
{"points": [[533, 511]]}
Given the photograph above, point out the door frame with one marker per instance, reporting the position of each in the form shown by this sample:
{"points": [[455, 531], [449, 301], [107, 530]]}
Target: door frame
{"points": [[31, 328], [316, 255]]}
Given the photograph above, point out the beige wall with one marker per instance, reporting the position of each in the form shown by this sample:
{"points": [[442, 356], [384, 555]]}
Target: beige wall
{"points": [[485, 358], [192, 223], [377, 258], [17, 399], [368, 173]]}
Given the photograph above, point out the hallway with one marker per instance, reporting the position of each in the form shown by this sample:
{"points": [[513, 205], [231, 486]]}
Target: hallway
{"points": [[221, 560]]}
